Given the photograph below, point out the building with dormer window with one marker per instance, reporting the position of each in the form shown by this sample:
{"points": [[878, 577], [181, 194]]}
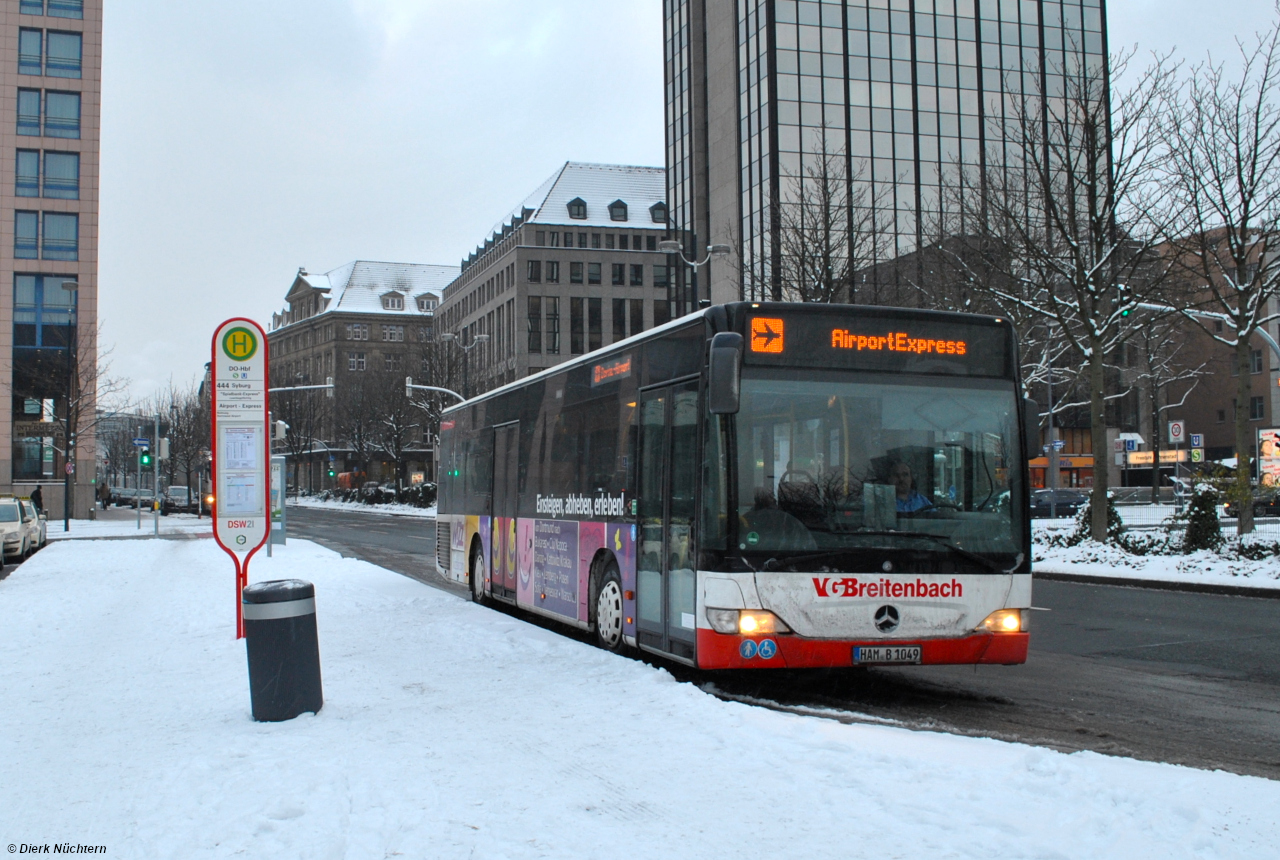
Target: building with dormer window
{"points": [[366, 326]]}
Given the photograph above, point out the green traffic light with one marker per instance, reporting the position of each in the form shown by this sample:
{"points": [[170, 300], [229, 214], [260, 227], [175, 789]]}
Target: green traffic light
{"points": [[145, 458]]}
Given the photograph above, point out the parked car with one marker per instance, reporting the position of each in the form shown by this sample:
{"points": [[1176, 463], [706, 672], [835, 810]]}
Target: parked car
{"points": [[15, 529], [1067, 502], [178, 500], [1265, 504], [39, 523]]}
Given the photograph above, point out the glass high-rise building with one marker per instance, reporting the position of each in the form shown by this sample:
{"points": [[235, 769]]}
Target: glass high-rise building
{"points": [[886, 95]]}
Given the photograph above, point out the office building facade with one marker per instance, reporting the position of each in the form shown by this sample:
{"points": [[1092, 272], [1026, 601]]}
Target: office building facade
{"points": [[50, 77], [891, 93], [575, 267]]}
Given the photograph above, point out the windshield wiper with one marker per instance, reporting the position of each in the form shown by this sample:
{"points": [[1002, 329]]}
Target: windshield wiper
{"points": [[941, 540]]}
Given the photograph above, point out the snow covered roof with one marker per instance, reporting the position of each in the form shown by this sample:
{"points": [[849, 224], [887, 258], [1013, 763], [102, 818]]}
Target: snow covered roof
{"points": [[359, 286], [598, 186]]}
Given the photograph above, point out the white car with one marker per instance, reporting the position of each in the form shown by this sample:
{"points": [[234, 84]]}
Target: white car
{"points": [[15, 529], [39, 523]]}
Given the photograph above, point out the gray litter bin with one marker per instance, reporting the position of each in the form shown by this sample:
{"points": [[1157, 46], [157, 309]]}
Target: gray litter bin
{"points": [[284, 653]]}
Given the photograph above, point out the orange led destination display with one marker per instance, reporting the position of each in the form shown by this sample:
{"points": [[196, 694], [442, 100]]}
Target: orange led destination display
{"points": [[896, 341], [768, 334], [618, 368]]}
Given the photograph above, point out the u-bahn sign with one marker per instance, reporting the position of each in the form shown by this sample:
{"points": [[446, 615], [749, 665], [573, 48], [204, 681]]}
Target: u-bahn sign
{"points": [[241, 445]]}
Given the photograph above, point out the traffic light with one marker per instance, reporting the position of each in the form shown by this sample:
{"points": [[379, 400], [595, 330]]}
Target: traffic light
{"points": [[144, 456], [332, 472]]}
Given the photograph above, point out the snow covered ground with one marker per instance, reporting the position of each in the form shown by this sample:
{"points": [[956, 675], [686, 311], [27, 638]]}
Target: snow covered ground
{"points": [[392, 509], [454, 731], [1205, 568], [118, 522]]}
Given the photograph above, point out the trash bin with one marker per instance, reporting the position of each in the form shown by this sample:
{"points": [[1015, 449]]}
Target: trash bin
{"points": [[284, 653]]}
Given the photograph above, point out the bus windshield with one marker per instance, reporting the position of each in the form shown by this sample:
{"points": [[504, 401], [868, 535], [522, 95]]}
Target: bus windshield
{"points": [[840, 460]]}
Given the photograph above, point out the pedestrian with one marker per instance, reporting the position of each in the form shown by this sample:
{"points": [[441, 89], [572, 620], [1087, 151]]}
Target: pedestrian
{"points": [[104, 494], [37, 499]]}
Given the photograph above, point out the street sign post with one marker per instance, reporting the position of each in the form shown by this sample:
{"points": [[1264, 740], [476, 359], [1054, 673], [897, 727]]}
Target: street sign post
{"points": [[242, 446], [1197, 440], [1177, 432]]}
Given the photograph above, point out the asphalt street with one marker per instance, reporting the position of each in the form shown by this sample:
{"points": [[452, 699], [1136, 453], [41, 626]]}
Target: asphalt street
{"points": [[1158, 675]]}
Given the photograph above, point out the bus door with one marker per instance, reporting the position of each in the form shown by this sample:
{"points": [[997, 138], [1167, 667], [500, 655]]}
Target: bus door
{"points": [[506, 463], [667, 479]]}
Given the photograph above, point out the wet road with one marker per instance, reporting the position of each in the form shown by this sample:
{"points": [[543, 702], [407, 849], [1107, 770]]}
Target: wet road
{"points": [[1158, 675]]}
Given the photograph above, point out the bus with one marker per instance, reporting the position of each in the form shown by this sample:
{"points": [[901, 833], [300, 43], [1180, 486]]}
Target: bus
{"points": [[758, 485]]}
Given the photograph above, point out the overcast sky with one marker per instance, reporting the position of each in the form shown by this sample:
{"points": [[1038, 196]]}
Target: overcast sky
{"points": [[242, 139]]}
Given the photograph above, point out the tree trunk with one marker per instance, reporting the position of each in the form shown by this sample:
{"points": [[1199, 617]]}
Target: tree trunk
{"points": [[1098, 432], [1244, 437]]}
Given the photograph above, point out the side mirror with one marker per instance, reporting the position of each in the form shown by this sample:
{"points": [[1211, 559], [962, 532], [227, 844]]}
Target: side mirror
{"points": [[1031, 427], [724, 377]]}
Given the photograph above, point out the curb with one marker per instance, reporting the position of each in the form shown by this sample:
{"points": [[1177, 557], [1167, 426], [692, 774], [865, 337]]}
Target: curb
{"points": [[1162, 585]]}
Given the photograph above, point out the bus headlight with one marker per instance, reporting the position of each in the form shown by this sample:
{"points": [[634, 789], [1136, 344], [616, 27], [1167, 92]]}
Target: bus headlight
{"points": [[748, 622], [1005, 621]]}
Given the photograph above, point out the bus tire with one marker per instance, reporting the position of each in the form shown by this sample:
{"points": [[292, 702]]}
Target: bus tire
{"points": [[475, 573], [608, 610]]}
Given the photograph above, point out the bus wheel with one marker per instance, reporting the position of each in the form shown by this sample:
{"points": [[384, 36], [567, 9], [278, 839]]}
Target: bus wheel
{"points": [[609, 610], [477, 578]]}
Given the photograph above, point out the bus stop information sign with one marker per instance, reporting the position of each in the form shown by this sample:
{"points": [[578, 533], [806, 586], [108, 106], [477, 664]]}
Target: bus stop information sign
{"points": [[241, 453]]}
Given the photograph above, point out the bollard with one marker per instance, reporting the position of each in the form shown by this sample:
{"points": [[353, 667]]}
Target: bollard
{"points": [[284, 652]]}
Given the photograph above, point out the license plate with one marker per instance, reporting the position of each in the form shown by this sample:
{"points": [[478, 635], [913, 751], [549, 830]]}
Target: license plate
{"points": [[887, 654]]}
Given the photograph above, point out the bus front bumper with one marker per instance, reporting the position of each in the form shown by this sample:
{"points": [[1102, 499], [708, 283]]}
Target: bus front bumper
{"points": [[722, 651]]}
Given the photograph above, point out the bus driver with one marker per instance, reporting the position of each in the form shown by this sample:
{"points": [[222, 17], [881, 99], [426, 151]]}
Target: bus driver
{"points": [[909, 499]]}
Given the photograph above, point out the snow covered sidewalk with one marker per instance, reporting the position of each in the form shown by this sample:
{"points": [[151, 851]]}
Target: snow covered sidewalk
{"points": [[1199, 568], [454, 731], [391, 510], [121, 523]]}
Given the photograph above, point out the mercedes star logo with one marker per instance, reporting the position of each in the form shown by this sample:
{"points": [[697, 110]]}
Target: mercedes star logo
{"points": [[886, 619]]}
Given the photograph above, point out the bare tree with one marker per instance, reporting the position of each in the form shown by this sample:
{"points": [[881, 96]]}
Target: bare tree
{"points": [[1067, 217], [1224, 170], [1164, 367]]}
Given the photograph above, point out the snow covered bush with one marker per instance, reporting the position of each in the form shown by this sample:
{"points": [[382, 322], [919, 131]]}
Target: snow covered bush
{"points": [[1203, 528], [1084, 523]]}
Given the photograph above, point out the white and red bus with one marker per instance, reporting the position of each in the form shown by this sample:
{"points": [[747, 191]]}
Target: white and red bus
{"points": [[757, 486]]}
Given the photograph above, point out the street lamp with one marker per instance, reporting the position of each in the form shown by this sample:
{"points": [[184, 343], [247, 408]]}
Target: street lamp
{"points": [[672, 246], [450, 337], [73, 288]]}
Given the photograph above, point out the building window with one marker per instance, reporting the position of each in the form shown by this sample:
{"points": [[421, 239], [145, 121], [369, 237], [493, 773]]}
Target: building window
{"points": [[576, 332], [658, 212], [1256, 405], [540, 238], [62, 115], [535, 324], [617, 211], [595, 241], [393, 303], [555, 239], [651, 243], [622, 242], [619, 319], [582, 240], [619, 274], [660, 277], [1255, 361], [661, 312], [355, 361], [27, 183], [42, 311], [394, 361], [26, 235], [62, 54], [31, 7], [427, 304], [553, 325], [578, 209], [62, 175], [65, 8], [595, 324], [553, 271], [608, 241], [534, 274], [575, 273], [30, 43], [29, 113], [637, 274], [1222, 416], [61, 237], [357, 331], [1217, 326], [637, 315], [593, 273], [393, 333]]}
